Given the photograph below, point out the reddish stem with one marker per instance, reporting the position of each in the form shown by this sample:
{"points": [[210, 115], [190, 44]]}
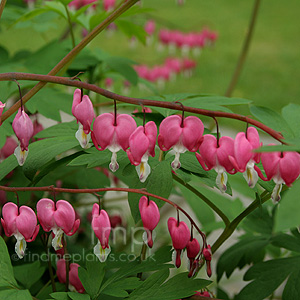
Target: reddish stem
{"points": [[66, 81]]}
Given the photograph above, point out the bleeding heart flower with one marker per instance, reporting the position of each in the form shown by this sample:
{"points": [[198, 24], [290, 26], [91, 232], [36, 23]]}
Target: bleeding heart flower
{"points": [[21, 223], [74, 281], [180, 235], [207, 256], [23, 128], [142, 143], [113, 133], [102, 227], [244, 157], [181, 135], [193, 248], [58, 217], [150, 216], [2, 105], [83, 111], [8, 148], [282, 167], [215, 155]]}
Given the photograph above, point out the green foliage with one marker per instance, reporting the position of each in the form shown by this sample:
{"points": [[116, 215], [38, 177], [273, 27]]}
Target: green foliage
{"points": [[267, 276]]}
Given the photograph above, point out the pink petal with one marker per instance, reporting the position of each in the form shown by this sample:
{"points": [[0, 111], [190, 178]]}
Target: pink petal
{"points": [[84, 113], [74, 278], [104, 129], [193, 248], [289, 167], [208, 150], [138, 143], [101, 226], [125, 127], [64, 216], [226, 149], [45, 213], [242, 151], [149, 213], [180, 233], [192, 133], [26, 222], [151, 133], [23, 128], [270, 162], [10, 213], [169, 132], [76, 101], [61, 270]]}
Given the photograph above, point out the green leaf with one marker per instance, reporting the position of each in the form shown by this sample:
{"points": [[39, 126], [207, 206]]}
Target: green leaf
{"points": [[267, 277], [179, 286], [57, 7], [61, 129], [284, 217], [272, 119], [65, 2], [15, 294], [41, 152], [122, 66], [7, 278], [92, 158], [28, 274], [60, 296], [291, 114], [246, 251], [92, 277], [159, 182], [119, 288], [292, 288], [49, 102], [286, 241], [132, 30], [91, 179], [76, 296]]}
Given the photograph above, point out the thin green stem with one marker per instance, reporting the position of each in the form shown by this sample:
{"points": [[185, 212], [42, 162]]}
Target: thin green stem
{"points": [[70, 26], [244, 51], [143, 257], [67, 262], [203, 198], [138, 101], [71, 55], [227, 232], [2, 5], [43, 288]]}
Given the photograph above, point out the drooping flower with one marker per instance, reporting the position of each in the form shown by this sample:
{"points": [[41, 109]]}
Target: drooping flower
{"points": [[83, 111], [181, 135], [23, 128], [113, 133], [102, 227], [180, 235], [282, 167], [21, 223], [193, 248], [58, 217], [207, 254], [74, 281], [2, 105], [214, 154], [244, 157], [142, 143], [150, 216]]}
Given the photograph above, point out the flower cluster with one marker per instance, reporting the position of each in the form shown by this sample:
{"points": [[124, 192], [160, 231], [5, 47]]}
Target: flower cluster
{"points": [[114, 132], [187, 41]]}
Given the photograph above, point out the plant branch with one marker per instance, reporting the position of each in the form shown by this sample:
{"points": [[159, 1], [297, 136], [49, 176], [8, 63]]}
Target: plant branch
{"points": [[206, 200], [67, 81], [244, 51], [2, 5], [71, 55], [93, 191], [70, 26], [233, 225]]}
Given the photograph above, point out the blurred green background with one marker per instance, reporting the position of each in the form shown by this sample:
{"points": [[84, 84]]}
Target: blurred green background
{"points": [[270, 76]]}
